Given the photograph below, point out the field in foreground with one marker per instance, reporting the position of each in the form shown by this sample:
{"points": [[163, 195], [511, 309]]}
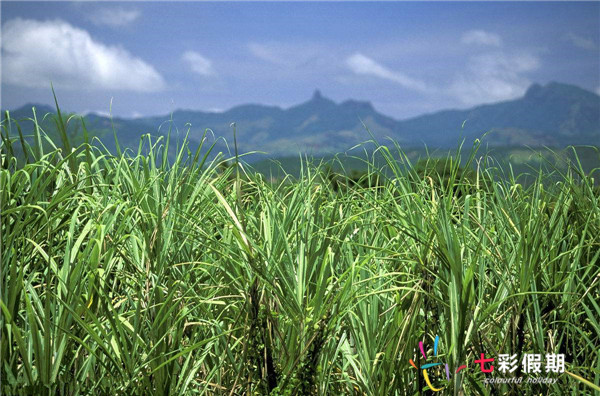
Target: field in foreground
{"points": [[130, 274]]}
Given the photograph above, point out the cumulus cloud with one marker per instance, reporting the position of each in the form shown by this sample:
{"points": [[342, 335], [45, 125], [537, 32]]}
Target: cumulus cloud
{"points": [[36, 53], [361, 64], [114, 16], [581, 42], [494, 76], [198, 63], [481, 37]]}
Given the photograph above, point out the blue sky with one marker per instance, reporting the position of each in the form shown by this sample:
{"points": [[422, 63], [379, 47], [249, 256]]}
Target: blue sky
{"points": [[406, 58]]}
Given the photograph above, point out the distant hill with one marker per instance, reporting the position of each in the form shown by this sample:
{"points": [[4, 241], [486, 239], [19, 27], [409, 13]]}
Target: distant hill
{"points": [[554, 115]]}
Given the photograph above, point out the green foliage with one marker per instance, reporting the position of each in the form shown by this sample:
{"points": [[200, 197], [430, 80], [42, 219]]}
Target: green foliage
{"points": [[356, 179], [131, 274]]}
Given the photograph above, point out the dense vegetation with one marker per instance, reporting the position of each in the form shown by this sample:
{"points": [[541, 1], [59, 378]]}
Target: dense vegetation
{"points": [[126, 273]]}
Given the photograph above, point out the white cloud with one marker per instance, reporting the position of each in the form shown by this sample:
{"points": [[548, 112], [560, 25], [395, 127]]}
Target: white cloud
{"points": [[284, 62], [102, 113], [598, 90], [361, 64], [114, 16], [198, 63], [581, 42], [36, 53], [494, 76], [481, 37], [293, 57], [266, 53]]}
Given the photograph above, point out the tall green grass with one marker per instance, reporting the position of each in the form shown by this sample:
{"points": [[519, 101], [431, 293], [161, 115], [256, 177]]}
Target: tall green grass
{"points": [[128, 273]]}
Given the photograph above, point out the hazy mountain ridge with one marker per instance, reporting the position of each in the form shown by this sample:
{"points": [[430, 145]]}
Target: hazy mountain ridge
{"points": [[554, 115]]}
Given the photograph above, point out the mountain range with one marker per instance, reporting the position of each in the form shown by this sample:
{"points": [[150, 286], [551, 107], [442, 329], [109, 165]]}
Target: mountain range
{"points": [[555, 115]]}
